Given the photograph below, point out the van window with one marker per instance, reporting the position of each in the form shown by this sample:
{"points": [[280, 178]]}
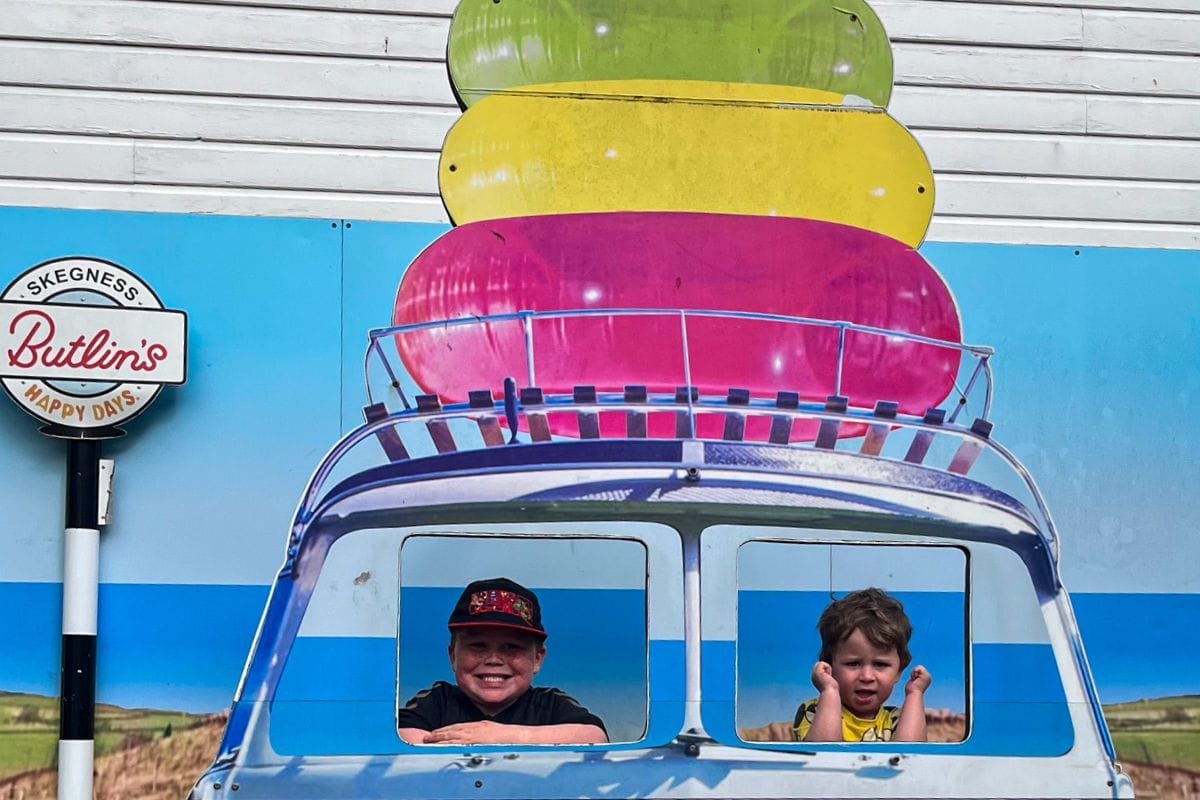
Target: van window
{"points": [[374, 631], [783, 588], [592, 594]]}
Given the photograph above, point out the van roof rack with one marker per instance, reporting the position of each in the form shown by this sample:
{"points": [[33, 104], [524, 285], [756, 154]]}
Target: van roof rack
{"points": [[428, 435]]}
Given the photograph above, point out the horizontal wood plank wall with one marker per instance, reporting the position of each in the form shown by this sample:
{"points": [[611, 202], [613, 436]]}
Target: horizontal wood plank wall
{"points": [[1072, 123]]}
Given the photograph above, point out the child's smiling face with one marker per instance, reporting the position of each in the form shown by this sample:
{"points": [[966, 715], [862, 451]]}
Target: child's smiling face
{"points": [[495, 666], [865, 674]]}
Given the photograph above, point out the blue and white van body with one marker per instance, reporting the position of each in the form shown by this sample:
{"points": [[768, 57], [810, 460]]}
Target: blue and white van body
{"points": [[688, 574]]}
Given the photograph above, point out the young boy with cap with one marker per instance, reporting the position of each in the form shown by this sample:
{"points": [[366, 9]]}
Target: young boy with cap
{"points": [[497, 645], [864, 650]]}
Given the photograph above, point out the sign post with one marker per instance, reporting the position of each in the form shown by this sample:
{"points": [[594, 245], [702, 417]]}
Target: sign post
{"points": [[85, 345]]}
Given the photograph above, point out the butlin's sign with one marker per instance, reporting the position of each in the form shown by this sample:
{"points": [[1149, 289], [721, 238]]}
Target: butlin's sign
{"points": [[86, 344]]}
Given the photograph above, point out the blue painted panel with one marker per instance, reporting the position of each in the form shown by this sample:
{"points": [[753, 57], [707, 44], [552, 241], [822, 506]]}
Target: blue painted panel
{"points": [[208, 478], [1097, 369], [172, 647], [32, 642], [375, 257], [667, 691], [667, 671], [1017, 688], [1016, 673], [334, 728], [718, 668], [1122, 631], [339, 669]]}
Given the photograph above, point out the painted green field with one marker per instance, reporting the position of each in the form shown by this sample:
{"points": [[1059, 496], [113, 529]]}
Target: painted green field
{"points": [[29, 730], [1165, 731]]}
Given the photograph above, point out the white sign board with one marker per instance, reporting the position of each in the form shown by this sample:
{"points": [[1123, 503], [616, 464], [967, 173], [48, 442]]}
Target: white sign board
{"points": [[91, 343], [86, 344]]}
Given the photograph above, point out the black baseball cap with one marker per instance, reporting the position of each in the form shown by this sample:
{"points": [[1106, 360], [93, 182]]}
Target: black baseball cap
{"points": [[498, 603]]}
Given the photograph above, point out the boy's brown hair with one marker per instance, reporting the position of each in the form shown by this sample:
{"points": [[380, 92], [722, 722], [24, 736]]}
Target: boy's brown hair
{"points": [[873, 611]]}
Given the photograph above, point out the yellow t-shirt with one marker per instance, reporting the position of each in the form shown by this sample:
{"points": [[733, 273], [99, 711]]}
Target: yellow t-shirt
{"points": [[854, 729]]}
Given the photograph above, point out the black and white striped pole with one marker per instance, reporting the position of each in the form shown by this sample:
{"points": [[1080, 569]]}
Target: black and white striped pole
{"points": [[85, 345], [81, 586]]}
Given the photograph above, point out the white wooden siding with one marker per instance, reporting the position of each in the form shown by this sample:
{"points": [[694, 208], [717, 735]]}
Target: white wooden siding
{"points": [[1071, 123]]}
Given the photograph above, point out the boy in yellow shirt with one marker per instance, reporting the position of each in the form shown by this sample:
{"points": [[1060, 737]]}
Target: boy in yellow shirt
{"points": [[864, 650]]}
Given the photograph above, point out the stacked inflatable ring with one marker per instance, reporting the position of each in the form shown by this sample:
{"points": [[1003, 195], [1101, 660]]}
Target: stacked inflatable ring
{"points": [[695, 154]]}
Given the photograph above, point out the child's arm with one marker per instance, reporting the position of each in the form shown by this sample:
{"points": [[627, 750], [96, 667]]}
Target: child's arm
{"points": [[413, 735], [488, 732], [827, 722], [911, 727]]}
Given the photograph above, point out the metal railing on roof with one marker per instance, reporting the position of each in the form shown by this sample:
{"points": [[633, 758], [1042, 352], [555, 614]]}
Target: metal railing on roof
{"points": [[425, 426], [378, 353]]}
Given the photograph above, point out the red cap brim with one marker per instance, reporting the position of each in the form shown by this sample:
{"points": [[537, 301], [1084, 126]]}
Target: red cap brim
{"points": [[533, 631]]}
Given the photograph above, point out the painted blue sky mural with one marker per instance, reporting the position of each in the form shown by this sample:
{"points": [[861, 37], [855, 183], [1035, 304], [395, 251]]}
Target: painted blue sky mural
{"points": [[1096, 372]]}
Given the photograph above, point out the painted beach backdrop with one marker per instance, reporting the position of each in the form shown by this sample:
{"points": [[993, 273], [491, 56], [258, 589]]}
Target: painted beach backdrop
{"points": [[1097, 369]]}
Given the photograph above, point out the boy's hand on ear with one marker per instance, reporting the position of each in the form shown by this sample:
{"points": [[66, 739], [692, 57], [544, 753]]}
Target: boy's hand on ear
{"points": [[822, 678], [918, 680]]}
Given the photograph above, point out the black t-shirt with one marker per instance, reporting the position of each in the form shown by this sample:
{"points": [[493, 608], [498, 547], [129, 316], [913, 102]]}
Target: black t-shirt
{"points": [[445, 704]]}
